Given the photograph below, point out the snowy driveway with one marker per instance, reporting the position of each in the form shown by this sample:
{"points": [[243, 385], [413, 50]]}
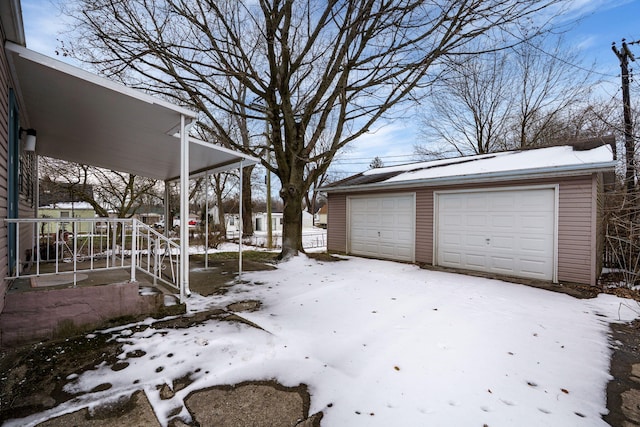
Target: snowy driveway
{"points": [[382, 343]]}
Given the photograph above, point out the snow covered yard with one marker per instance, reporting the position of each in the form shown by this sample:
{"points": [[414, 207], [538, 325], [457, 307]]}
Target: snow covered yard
{"points": [[382, 343]]}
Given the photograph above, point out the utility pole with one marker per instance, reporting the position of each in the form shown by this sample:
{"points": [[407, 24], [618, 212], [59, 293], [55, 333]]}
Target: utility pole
{"points": [[624, 55]]}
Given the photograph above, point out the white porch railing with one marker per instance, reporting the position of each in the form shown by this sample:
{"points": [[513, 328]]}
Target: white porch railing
{"points": [[72, 245]]}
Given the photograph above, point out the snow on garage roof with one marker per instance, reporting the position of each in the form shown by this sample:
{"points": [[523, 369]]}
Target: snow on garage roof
{"points": [[548, 161]]}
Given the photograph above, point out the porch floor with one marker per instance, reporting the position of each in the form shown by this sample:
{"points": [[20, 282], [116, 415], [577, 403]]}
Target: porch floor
{"points": [[64, 279], [218, 275]]}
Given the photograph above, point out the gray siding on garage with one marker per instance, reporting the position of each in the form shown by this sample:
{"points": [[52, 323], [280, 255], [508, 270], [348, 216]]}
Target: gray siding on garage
{"points": [[337, 223], [424, 225], [577, 230], [578, 260]]}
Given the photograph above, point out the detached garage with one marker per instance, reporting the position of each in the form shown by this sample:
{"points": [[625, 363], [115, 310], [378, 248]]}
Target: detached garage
{"points": [[530, 213]]}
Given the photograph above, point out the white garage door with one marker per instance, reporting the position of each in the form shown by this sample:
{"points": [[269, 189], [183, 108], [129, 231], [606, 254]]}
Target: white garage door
{"points": [[506, 232], [382, 227]]}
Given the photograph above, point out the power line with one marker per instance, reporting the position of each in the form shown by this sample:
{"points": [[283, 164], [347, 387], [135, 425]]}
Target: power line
{"points": [[371, 158]]}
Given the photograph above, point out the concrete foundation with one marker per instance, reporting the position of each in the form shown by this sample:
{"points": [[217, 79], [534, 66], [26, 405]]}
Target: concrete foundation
{"points": [[50, 313]]}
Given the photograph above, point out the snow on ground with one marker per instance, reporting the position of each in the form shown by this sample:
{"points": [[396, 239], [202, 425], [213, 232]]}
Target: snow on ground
{"points": [[382, 343]]}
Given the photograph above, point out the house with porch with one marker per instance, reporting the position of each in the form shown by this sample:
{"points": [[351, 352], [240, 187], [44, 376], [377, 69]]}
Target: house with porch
{"points": [[50, 108]]}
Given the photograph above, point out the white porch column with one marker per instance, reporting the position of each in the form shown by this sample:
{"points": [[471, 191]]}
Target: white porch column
{"points": [[241, 228], [134, 247], [206, 220], [184, 210], [167, 209]]}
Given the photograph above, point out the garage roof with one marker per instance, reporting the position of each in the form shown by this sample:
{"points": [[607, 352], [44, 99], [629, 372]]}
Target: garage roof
{"points": [[87, 119], [579, 158]]}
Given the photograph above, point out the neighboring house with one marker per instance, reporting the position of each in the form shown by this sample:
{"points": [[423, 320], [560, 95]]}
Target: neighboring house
{"points": [[532, 213], [149, 218], [51, 192], [68, 210], [321, 216], [260, 221]]}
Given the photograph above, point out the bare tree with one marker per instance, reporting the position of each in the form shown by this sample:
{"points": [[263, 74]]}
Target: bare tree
{"points": [[120, 193], [514, 98], [550, 85], [469, 109], [219, 185], [315, 70]]}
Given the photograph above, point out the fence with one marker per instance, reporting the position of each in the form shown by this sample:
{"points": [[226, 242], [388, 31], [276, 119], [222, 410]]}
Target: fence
{"points": [[310, 239], [80, 245]]}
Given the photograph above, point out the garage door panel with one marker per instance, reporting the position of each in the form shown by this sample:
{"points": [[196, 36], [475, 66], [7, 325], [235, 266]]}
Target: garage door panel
{"points": [[536, 269], [475, 260], [363, 234], [514, 234], [536, 222], [502, 242], [476, 241], [476, 220], [504, 264], [453, 205], [405, 221], [358, 204], [359, 218], [452, 258], [404, 251], [405, 204], [382, 226], [534, 244], [502, 202], [372, 219], [404, 235], [452, 240], [387, 235], [386, 221], [453, 220], [503, 221], [387, 250], [535, 200], [475, 203]]}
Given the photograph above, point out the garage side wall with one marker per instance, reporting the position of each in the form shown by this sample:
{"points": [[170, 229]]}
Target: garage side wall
{"points": [[577, 230], [577, 223], [424, 225], [337, 222]]}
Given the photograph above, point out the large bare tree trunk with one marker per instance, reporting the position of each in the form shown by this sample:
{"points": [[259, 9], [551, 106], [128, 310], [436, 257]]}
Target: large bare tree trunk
{"points": [[292, 221], [219, 189]]}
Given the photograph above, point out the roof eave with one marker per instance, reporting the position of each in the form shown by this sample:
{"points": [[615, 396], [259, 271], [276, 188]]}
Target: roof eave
{"points": [[94, 79], [539, 173], [11, 17]]}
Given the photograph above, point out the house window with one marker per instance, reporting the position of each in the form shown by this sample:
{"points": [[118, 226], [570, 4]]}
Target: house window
{"points": [[26, 176], [64, 214]]}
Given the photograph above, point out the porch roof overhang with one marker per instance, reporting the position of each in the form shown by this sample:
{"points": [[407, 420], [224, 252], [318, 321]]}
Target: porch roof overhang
{"points": [[88, 119]]}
